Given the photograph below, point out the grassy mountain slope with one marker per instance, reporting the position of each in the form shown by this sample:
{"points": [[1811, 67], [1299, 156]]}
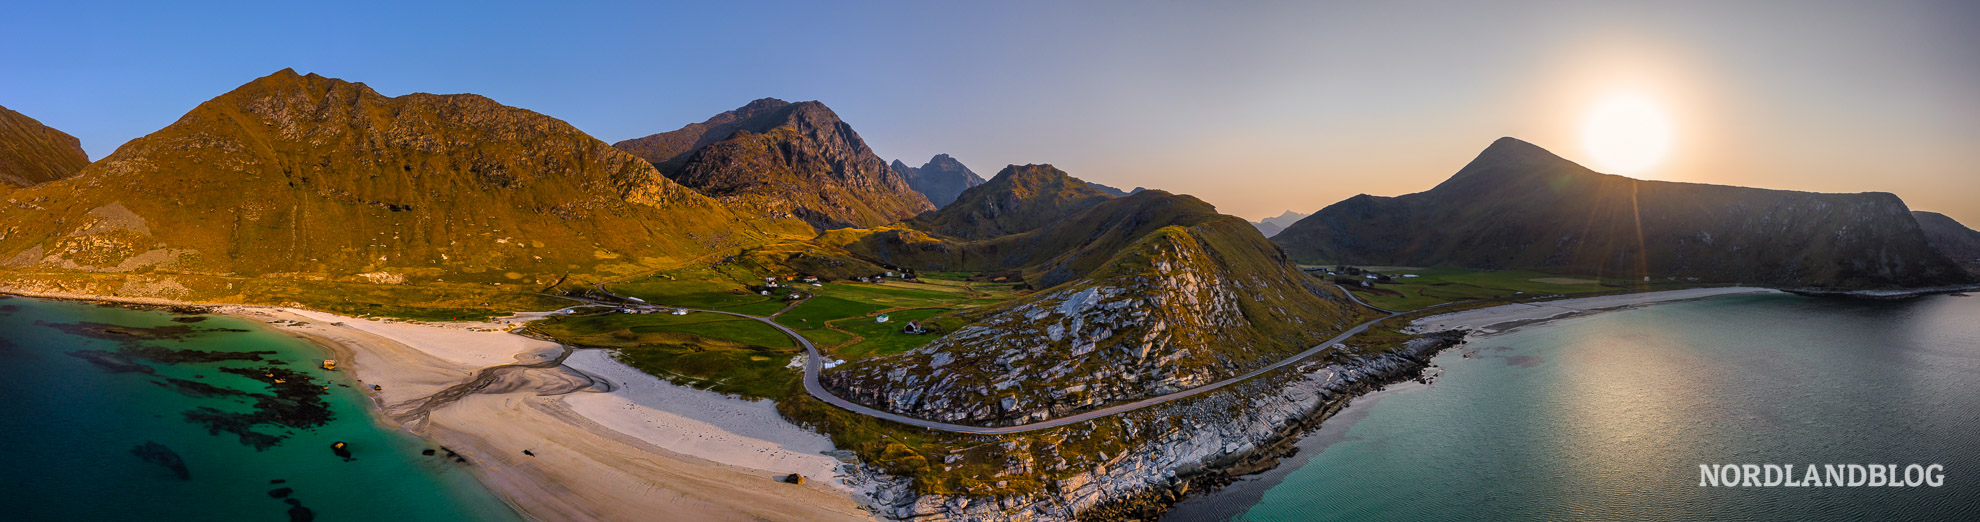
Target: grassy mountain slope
{"points": [[1020, 198], [32, 153], [784, 160], [318, 178], [1143, 295], [1518, 206], [942, 178], [1951, 238]]}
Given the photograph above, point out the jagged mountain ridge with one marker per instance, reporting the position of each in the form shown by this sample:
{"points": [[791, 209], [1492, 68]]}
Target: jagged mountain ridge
{"points": [[777, 159], [1519, 206], [319, 177], [1951, 238], [32, 153], [942, 179]]}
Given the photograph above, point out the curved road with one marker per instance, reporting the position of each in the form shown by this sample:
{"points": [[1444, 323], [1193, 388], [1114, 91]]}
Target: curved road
{"points": [[814, 362]]}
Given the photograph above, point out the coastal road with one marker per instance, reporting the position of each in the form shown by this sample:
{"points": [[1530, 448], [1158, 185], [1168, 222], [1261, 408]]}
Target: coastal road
{"points": [[814, 363]]}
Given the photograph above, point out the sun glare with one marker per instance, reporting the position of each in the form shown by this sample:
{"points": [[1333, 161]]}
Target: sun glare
{"points": [[1626, 134]]}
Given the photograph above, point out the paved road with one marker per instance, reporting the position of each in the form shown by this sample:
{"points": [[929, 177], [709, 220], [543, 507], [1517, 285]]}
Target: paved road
{"points": [[814, 363]]}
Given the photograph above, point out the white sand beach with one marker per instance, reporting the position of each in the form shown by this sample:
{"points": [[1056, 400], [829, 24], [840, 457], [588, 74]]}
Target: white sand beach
{"points": [[643, 450], [1499, 318]]}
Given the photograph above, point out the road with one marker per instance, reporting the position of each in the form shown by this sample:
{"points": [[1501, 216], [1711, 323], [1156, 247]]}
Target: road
{"points": [[814, 363]]}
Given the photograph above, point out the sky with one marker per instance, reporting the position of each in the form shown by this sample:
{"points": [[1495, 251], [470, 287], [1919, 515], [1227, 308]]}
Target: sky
{"points": [[1255, 107]]}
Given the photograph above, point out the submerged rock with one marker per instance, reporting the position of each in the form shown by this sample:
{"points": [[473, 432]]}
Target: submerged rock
{"points": [[156, 453]]}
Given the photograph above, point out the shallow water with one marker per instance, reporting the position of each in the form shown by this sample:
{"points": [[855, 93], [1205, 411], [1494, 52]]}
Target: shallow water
{"points": [[1610, 415], [72, 425]]}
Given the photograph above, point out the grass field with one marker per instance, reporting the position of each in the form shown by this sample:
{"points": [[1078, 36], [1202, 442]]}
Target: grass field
{"points": [[718, 352], [885, 338], [1434, 286]]}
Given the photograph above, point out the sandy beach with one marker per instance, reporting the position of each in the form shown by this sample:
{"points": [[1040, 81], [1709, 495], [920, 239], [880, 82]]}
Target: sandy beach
{"points": [[609, 442], [1504, 317]]}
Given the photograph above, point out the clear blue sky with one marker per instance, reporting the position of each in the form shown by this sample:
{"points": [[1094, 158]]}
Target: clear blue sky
{"points": [[1255, 107]]}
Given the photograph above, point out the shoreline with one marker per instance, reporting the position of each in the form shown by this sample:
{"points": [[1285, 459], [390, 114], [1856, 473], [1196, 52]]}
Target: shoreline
{"points": [[585, 464], [1502, 318]]}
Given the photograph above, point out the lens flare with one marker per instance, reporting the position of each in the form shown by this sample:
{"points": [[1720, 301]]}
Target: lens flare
{"points": [[1626, 134]]}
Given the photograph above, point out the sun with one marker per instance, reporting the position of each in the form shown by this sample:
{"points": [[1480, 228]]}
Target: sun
{"points": [[1626, 134]]}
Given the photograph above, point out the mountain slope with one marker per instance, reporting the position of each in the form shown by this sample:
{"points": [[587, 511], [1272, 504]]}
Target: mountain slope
{"points": [[1019, 198], [941, 179], [1111, 191], [1951, 238], [777, 159], [1519, 206], [32, 153], [315, 177], [1143, 295]]}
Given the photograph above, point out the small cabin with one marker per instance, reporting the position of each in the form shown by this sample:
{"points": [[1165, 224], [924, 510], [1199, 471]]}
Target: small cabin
{"points": [[914, 328], [881, 319]]}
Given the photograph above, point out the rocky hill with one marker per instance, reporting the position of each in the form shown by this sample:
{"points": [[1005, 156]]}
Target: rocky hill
{"points": [[776, 159], [942, 178], [320, 178], [1951, 238], [1143, 295], [1111, 191], [1519, 206], [32, 153], [1271, 226]]}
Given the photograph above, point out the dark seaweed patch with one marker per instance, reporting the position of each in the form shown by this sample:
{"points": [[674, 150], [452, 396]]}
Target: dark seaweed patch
{"points": [[128, 334], [189, 319], [112, 362], [156, 453], [296, 404], [1523, 361]]}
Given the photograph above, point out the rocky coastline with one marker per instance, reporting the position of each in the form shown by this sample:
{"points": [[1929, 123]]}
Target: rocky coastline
{"points": [[1242, 431]]}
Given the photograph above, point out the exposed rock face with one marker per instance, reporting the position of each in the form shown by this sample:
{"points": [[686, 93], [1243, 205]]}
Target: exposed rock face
{"points": [[32, 153], [1181, 297], [942, 179], [1182, 442], [293, 174], [777, 159], [1519, 206], [1951, 238], [1271, 226]]}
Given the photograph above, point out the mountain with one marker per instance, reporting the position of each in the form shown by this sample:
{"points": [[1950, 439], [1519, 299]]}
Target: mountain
{"points": [[32, 153], [1271, 226], [1142, 295], [1111, 191], [1951, 238], [777, 159], [1017, 199], [1518, 206], [941, 179], [318, 178]]}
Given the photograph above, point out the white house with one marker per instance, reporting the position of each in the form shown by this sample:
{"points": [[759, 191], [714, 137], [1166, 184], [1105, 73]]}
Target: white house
{"points": [[881, 319]]}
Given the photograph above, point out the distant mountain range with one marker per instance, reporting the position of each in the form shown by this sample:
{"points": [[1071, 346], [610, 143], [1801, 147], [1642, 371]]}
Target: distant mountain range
{"points": [[942, 178], [776, 159], [309, 177], [1111, 191], [1271, 226], [1519, 206], [32, 153]]}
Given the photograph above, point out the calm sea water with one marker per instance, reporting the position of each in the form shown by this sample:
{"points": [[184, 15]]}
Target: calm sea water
{"points": [[72, 424], [1608, 416]]}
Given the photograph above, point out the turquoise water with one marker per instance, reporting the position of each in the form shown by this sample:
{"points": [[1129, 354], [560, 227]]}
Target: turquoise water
{"points": [[1609, 416], [71, 427]]}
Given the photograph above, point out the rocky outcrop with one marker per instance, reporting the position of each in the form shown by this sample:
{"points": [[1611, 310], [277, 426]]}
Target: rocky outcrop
{"points": [[1185, 446], [1182, 307], [1517, 206], [32, 153], [942, 178], [776, 159]]}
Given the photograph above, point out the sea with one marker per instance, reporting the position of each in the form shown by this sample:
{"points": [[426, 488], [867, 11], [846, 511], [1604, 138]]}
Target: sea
{"points": [[1610, 416], [110, 413]]}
